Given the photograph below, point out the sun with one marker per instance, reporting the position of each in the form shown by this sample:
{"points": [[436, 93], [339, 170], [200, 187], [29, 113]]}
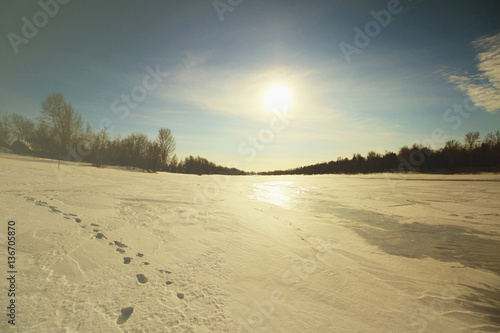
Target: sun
{"points": [[277, 99]]}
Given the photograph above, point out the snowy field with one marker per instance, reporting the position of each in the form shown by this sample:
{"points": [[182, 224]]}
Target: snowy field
{"points": [[335, 253]]}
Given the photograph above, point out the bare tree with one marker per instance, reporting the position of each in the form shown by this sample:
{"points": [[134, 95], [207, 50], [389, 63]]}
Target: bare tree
{"points": [[471, 138], [100, 146], [172, 166], [166, 144], [492, 139], [452, 145], [21, 127], [135, 148], [42, 131], [5, 133], [373, 161], [153, 156], [372, 155], [62, 119]]}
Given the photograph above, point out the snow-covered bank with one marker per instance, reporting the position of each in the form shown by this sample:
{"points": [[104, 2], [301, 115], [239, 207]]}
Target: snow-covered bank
{"points": [[374, 253]]}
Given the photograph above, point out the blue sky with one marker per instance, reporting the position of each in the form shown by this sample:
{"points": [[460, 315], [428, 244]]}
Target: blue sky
{"points": [[395, 91]]}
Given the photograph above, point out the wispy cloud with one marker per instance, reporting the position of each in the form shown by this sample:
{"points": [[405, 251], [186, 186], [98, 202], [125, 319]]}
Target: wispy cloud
{"points": [[484, 87], [239, 93]]}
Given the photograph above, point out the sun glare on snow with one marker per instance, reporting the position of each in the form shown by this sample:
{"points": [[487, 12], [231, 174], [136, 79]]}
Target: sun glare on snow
{"points": [[277, 99]]}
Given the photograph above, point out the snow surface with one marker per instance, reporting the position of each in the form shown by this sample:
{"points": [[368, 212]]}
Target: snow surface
{"points": [[333, 253]]}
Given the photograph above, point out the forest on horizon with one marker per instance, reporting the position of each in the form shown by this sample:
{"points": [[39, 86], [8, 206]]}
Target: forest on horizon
{"points": [[59, 133]]}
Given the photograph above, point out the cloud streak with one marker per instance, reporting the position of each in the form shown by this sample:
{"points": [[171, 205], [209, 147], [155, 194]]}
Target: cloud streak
{"points": [[239, 93], [484, 87]]}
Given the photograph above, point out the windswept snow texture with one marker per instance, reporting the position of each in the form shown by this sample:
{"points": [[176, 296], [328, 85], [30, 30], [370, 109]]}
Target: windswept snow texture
{"points": [[117, 250]]}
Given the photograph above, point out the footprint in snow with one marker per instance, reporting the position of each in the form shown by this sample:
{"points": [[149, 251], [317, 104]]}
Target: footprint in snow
{"points": [[125, 314], [141, 278], [100, 236], [120, 244], [163, 271]]}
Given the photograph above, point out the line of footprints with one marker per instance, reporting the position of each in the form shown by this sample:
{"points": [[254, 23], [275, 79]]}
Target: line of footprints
{"points": [[53, 209], [141, 278]]}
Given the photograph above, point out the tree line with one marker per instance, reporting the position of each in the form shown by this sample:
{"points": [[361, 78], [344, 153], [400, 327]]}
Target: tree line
{"points": [[472, 156], [60, 133]]}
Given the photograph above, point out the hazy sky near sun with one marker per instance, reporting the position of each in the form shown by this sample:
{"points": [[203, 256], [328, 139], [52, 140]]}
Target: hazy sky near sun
{"points": [[391, 90]]}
